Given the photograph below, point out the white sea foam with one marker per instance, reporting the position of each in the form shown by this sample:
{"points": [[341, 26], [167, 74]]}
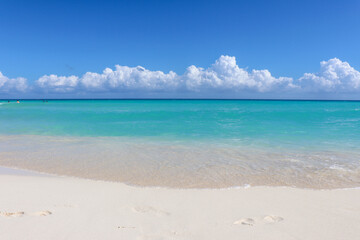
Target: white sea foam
{"points": [[337, 167]]}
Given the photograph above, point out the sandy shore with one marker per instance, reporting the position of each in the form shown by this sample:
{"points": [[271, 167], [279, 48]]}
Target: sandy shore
{"points": [[45, 207]]}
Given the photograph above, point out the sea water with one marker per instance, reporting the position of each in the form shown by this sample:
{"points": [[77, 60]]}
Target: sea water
{"points": [[187, 143]]}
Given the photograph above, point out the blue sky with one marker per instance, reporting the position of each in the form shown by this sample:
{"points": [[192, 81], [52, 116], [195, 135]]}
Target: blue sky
{"points": [[287, 38]]}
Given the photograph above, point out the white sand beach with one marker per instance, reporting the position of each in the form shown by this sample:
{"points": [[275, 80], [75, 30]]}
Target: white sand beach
{"points": [[40, 207]]}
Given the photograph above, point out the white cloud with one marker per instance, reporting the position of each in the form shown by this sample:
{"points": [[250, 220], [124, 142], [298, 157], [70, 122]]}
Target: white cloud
{"points": [[334, 77], [130, 78], [226, 74], [12, 84], [57, 83]]}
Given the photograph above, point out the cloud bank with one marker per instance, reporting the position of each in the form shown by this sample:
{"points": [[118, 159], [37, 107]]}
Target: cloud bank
{"points": [[224, 76], [334, 76], [12, 84]]}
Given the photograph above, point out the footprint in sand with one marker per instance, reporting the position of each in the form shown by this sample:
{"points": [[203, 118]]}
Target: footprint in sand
{"points": [[42, 213], [18, 214], [11, 214], [245, 221], [252, 221], [148, 209], [125, 227], [272, 219]]}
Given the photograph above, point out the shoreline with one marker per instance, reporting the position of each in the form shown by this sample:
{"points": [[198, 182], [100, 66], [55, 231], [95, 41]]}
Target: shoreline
{"points": [[4, 170], [9, 170], [51, 207], [179, 165]]}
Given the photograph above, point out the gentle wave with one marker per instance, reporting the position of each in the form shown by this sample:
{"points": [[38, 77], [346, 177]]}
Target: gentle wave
{"points": [[194, 165]]}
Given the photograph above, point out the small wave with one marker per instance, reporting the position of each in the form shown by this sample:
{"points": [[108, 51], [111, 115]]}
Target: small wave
{"points": [[245, 186], [337, 167], [330, 110]]}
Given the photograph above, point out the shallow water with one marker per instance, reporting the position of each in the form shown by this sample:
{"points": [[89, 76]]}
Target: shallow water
{"points": [[187, 143]]}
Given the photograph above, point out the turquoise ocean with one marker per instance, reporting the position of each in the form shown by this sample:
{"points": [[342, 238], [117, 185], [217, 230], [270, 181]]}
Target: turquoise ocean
{"points": [[187, 143]]}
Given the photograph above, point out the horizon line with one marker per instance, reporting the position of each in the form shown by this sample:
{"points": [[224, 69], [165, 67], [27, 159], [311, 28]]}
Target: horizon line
{"points": [[230, 99]]}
